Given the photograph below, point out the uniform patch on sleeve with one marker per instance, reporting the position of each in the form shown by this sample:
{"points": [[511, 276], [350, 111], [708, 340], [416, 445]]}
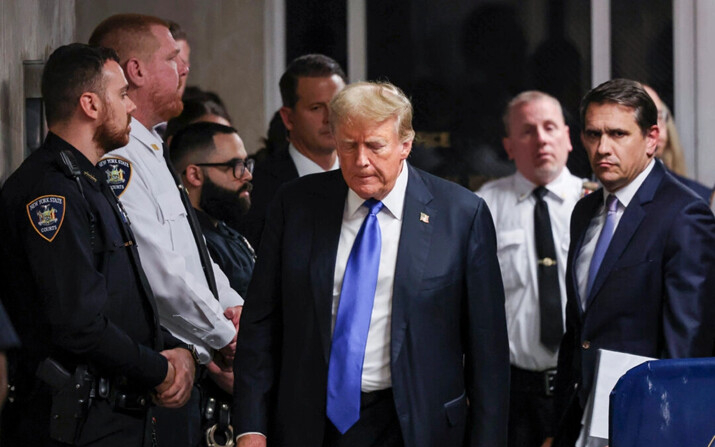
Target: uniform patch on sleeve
{"points": [[118, 173], [46, 215]]}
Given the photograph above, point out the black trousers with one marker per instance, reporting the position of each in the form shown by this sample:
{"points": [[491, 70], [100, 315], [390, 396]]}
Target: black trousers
{"points": [[180, 427], [530, 409], [378, 425], [26, 423]]}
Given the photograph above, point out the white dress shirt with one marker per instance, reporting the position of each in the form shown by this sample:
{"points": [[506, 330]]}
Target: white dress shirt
{"points": [[511, 204], [376, 365], [583, 260], [305, 165], [168, 250]]}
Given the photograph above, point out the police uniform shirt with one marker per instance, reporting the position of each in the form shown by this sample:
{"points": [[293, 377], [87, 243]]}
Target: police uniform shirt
{"points": [[511, 203], [230, 250], [140, 177], [73, 292]]}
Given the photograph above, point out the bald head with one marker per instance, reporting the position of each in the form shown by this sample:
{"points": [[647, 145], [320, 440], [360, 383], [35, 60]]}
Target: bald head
{"points": [[130, 35]]}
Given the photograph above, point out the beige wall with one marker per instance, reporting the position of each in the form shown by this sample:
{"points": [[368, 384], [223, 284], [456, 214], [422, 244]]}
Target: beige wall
{"points": [[226, 40], [29, 29]]}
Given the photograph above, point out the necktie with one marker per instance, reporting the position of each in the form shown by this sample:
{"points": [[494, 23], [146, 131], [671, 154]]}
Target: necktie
{"points": [[604, 239], [357, 295], [548, 275], [195, 227]]}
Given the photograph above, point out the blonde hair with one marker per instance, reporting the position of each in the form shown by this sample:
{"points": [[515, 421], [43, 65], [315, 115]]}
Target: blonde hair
{"points": [[375, 102], [673, 156]]}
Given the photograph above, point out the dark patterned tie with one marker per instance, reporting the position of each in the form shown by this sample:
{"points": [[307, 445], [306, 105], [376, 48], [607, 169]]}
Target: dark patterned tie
{"points": [[548, 275]]}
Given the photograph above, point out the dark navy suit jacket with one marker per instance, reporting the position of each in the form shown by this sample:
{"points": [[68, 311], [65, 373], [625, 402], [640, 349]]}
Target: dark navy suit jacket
{"points": [[268, 177], [448, 345], [653, 295]]}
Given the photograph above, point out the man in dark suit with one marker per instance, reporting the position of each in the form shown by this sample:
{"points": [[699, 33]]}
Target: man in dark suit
{"points": [[307, 86], [641, 267], [374, 327]]}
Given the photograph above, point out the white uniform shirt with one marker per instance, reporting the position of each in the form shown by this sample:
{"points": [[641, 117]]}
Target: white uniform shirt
{"points": [[168, 250], [305, 165], [376, 364], [511, 204]]}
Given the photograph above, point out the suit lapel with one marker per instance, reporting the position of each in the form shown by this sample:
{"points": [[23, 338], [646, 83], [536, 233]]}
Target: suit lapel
{"points": [[627, 226], [412, 255], [327, 214]]}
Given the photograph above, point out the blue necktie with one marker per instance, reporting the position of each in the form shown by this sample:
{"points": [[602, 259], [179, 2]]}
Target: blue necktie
{"points": [[357, 295], [604, 239]]}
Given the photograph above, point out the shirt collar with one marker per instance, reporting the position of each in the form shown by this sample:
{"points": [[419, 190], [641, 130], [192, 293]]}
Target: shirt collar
{"points": [[394, 202], [149, 138], [305, 165], [626, 194], [558, 188]]}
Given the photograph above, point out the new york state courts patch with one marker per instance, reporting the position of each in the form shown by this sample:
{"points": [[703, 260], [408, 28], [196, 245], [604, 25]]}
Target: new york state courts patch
{"points": [[46, 215], [118, 173]]}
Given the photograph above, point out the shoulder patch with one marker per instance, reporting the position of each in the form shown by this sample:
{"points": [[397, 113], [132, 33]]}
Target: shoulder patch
{"points": [[46, 215], [118, 173]]}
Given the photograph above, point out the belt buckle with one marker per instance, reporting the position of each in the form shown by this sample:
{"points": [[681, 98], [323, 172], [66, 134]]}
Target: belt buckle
{"points": [[549, 382]]}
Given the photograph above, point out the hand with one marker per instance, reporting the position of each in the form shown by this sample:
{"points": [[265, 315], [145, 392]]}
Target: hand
{"points": [[251, 440], [547, 442], [168, 380], [222, 378], [179, 392], [233, 314], [226, 354]]}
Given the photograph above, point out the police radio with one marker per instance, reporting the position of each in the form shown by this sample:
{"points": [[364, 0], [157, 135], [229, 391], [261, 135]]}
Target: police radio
{"points": [[71, 169]]}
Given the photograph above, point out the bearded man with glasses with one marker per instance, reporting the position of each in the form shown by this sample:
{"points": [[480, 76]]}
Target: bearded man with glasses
{"points": [[217, 177]]}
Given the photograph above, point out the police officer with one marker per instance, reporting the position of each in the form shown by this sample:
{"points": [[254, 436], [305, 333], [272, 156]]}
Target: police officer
{"points": [[194, 298], [217, 175], [94, 355], [531, 211]]}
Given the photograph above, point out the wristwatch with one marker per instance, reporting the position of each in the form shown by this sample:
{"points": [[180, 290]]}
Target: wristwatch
{"points": [[194, 353]]}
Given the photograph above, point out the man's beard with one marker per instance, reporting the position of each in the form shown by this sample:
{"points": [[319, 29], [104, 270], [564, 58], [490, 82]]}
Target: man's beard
{"points": [[108, 138], [224, 204], [167, 108]]}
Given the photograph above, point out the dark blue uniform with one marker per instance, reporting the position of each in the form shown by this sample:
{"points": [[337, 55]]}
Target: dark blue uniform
{"points": [[8, 338], [230, 250], [76, 293]]}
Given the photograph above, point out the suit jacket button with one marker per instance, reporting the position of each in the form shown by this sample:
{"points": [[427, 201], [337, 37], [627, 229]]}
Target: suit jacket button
{"points": [[586, 344]]}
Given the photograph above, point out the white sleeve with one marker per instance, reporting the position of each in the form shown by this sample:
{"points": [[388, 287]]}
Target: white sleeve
{"points": [[186, 305], [226, 295]]}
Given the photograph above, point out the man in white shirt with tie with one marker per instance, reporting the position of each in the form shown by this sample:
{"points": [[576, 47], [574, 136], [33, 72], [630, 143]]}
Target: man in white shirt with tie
{"points": [[537, 139]]}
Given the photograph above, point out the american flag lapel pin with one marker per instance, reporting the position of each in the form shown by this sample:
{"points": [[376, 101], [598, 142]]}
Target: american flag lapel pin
{"points": [[424, 218]]}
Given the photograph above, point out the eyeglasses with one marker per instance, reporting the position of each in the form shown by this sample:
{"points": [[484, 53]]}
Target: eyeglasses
{"points": [[239, 166]]}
